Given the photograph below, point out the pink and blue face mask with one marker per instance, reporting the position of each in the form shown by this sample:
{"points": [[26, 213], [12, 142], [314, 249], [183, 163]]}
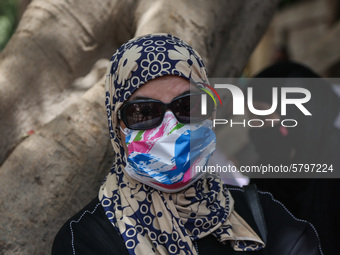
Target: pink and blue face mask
{"points": [[167, 157]]}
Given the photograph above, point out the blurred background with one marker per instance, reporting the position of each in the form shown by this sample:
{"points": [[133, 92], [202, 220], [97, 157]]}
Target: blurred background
{"points": [[299, 31], [303, 31]]}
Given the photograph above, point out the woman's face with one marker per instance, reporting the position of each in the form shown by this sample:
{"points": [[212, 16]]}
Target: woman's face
{"points": [[164, 88]]}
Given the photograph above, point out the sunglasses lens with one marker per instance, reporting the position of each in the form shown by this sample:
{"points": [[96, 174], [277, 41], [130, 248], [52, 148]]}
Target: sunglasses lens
{"points": [[149, 114], [143, 115], [189, 108]]}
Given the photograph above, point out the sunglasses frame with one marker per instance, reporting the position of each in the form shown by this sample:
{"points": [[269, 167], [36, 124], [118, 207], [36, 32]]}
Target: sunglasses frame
{"points": [[165, 106]]}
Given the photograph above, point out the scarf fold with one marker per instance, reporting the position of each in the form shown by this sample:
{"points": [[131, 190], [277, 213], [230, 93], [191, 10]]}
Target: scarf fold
{"points": [[151, 221]]}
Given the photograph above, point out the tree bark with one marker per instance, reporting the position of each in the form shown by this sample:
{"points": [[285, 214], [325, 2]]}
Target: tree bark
{"points": [[53, 173], [55, 42]]}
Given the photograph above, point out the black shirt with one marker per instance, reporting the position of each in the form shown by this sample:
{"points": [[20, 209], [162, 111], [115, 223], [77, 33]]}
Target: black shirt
{"points": [[90, 231]]}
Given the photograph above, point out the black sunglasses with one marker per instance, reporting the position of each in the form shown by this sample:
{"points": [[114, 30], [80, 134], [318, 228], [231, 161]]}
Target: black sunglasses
{"points": [[143, 114]]}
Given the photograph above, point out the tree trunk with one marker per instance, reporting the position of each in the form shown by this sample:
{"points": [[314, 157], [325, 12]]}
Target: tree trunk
{"points": [[55, 42], [54, 172]]}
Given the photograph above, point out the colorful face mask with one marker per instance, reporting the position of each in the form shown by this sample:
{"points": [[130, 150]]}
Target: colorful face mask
{"points": [[166, 157]]}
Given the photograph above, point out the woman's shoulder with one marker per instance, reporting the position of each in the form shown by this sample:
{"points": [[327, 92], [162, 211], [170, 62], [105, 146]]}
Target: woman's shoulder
{"points": [[88, 232], [285, 234]]}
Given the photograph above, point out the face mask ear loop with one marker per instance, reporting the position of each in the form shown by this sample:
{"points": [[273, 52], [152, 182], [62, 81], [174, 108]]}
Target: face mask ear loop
{"points": [[123, 130]]}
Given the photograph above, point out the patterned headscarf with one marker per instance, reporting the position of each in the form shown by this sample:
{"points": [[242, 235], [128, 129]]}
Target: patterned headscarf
{"points": [[151, 221]]}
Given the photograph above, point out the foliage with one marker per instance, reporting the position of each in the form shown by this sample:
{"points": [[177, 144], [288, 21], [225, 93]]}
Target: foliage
{"points": [[8, 20]]}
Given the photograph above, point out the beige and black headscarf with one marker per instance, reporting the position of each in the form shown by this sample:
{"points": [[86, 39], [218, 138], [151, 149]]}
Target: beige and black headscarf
{"points": [[151, 221]]}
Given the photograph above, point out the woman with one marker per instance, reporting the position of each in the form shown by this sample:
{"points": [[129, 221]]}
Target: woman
{"points": [[153, 201]]}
